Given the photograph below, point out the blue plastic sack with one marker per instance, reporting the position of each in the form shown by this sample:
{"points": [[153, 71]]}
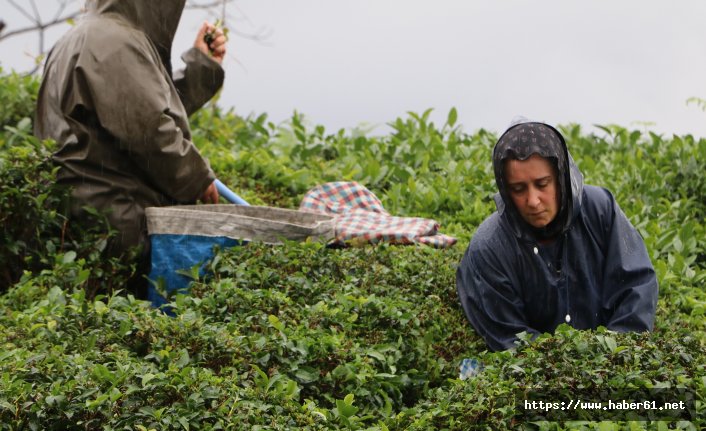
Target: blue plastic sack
{"points": [[172, 255], [184, 237]]}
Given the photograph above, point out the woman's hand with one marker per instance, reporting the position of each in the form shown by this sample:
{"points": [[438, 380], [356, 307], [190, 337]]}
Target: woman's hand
{"points": [[211, 41], [210, 196]]}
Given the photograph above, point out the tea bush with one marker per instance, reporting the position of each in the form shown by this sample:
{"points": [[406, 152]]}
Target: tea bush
{"points": [[33, 213], [18, 97], [304, 336]]}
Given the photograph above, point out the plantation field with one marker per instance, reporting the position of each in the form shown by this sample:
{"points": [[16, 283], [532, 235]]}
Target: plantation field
{"points": [[302, 336]]}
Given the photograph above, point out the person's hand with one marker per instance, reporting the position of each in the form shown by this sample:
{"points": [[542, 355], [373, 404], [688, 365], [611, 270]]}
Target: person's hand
{"points": [[210, 196], [211, 41]]}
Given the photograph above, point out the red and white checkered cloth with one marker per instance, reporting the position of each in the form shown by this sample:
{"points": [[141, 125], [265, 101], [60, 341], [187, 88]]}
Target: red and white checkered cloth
{"points": [[361, 217]]}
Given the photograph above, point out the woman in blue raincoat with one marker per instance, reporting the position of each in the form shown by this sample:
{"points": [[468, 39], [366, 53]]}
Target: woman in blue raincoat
{"points": [[555, 250]]}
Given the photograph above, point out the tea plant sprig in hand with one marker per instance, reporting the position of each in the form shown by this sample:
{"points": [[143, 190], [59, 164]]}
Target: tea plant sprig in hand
{"points": [[211, 40]]}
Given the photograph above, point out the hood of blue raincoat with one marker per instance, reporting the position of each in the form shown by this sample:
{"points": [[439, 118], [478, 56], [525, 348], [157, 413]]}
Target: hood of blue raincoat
{"points": [[523, 139]]}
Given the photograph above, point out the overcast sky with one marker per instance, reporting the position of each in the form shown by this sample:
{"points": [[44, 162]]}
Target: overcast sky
{"points": [[346, 62]]}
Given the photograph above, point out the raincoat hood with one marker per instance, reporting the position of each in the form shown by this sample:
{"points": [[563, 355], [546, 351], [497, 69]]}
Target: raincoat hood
{"points": [[158, 19], [523, 139]]}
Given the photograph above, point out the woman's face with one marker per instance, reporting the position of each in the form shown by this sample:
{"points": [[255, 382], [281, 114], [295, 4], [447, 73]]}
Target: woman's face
{"points": [[532, 185]]}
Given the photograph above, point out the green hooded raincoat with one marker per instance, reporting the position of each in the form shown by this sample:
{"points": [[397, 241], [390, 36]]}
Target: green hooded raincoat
{"points": [[120, 118]]}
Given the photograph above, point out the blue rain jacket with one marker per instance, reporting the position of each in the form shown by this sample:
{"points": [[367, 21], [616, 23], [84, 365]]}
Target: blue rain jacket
{"points": [[596, 271]]}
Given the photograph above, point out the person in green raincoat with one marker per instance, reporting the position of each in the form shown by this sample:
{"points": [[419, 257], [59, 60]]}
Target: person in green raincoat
{"points": [[120, 116]]}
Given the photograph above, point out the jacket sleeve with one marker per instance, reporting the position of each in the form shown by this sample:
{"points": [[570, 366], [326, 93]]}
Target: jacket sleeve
{"points": [[136, 104], [490, 298], [630, 284], [199, 81]]}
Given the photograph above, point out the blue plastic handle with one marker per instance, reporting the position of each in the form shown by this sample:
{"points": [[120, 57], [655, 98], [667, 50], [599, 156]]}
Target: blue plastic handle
{"points": [[228, 194]]}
